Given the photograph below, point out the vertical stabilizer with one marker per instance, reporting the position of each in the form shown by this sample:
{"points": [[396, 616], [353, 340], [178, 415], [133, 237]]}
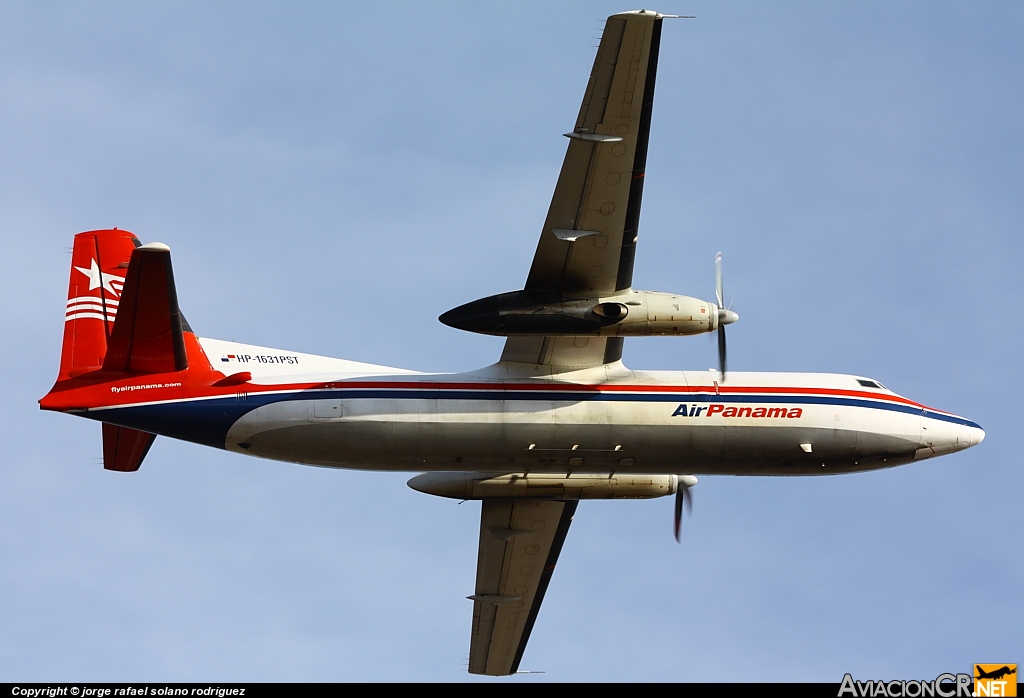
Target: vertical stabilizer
{"points": [[98, 266], [148, 336], [122, 321]]}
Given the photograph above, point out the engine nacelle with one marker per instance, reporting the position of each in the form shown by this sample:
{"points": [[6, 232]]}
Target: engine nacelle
{"points": [[546, 485], [626, 314], [666, 314]]}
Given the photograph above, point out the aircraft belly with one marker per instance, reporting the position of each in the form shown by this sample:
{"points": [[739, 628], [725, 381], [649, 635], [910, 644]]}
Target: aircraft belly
{"points": [[499, 448], [545, 436]]}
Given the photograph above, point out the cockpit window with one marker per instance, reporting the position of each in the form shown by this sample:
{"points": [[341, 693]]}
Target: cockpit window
{"points": [[870, 384]]}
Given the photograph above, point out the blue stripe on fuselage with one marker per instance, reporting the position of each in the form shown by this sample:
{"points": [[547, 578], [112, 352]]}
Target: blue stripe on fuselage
{"points": [[200, 421]]}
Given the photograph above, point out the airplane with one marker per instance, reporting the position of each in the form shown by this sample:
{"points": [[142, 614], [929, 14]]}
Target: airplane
{"points": [[556, 420], [995, 674]]}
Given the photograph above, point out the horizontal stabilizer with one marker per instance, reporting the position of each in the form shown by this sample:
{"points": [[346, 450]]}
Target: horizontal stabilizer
{"points": [[124, 449], [147, 334]]}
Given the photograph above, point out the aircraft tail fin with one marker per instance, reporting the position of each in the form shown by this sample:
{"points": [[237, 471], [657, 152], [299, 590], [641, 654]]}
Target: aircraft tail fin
{"points": [[147, 336], [98, 263], [122, 318]]}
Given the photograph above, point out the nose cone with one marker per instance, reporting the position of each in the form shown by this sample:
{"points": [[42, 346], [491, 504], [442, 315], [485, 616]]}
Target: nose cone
{"points": [[727, 317], [940, 436]]}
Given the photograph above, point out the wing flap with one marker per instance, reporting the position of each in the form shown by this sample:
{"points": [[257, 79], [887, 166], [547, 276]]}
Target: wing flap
{"points": [[520, 541]]}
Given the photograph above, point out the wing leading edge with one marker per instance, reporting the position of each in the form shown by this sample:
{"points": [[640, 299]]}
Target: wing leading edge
{"points": [[588, 241]]}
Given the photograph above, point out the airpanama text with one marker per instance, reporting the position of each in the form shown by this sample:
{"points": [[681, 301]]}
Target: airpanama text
{"points": [[723, 411]]}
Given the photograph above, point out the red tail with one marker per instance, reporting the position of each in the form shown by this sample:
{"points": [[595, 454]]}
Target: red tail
{"points": [[98, 266], [114, 276]]}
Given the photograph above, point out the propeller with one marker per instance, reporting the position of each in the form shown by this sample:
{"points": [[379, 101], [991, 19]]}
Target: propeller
{"points": [[725, 316], [684, 498]]}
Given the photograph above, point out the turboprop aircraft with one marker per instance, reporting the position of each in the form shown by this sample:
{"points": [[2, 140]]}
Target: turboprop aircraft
{"points": [[557, 419]]}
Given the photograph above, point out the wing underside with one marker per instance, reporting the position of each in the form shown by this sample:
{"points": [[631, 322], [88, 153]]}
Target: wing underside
{"points": [[587, 244], [586, 251], [519, 545]]}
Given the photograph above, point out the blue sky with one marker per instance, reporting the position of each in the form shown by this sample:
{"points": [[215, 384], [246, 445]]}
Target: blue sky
{"points": [[332, 177]]}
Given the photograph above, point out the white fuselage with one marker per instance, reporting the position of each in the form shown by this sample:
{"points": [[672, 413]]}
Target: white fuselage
{"points": [[512, 417]]}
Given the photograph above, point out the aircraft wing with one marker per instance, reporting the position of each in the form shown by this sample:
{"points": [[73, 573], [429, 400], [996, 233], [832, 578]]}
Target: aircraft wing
{"points": [[519, 545], [585, 251], [589, 237]]}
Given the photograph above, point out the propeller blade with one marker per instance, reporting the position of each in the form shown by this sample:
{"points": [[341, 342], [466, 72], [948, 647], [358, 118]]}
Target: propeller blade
{"points": [[679, 509], [725, 316], [719, 290], [721, 351], [684, 499]]}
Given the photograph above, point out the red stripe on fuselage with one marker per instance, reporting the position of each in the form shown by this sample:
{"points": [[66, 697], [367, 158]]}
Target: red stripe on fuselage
{"points": [[620, 388], [193, 385]]}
